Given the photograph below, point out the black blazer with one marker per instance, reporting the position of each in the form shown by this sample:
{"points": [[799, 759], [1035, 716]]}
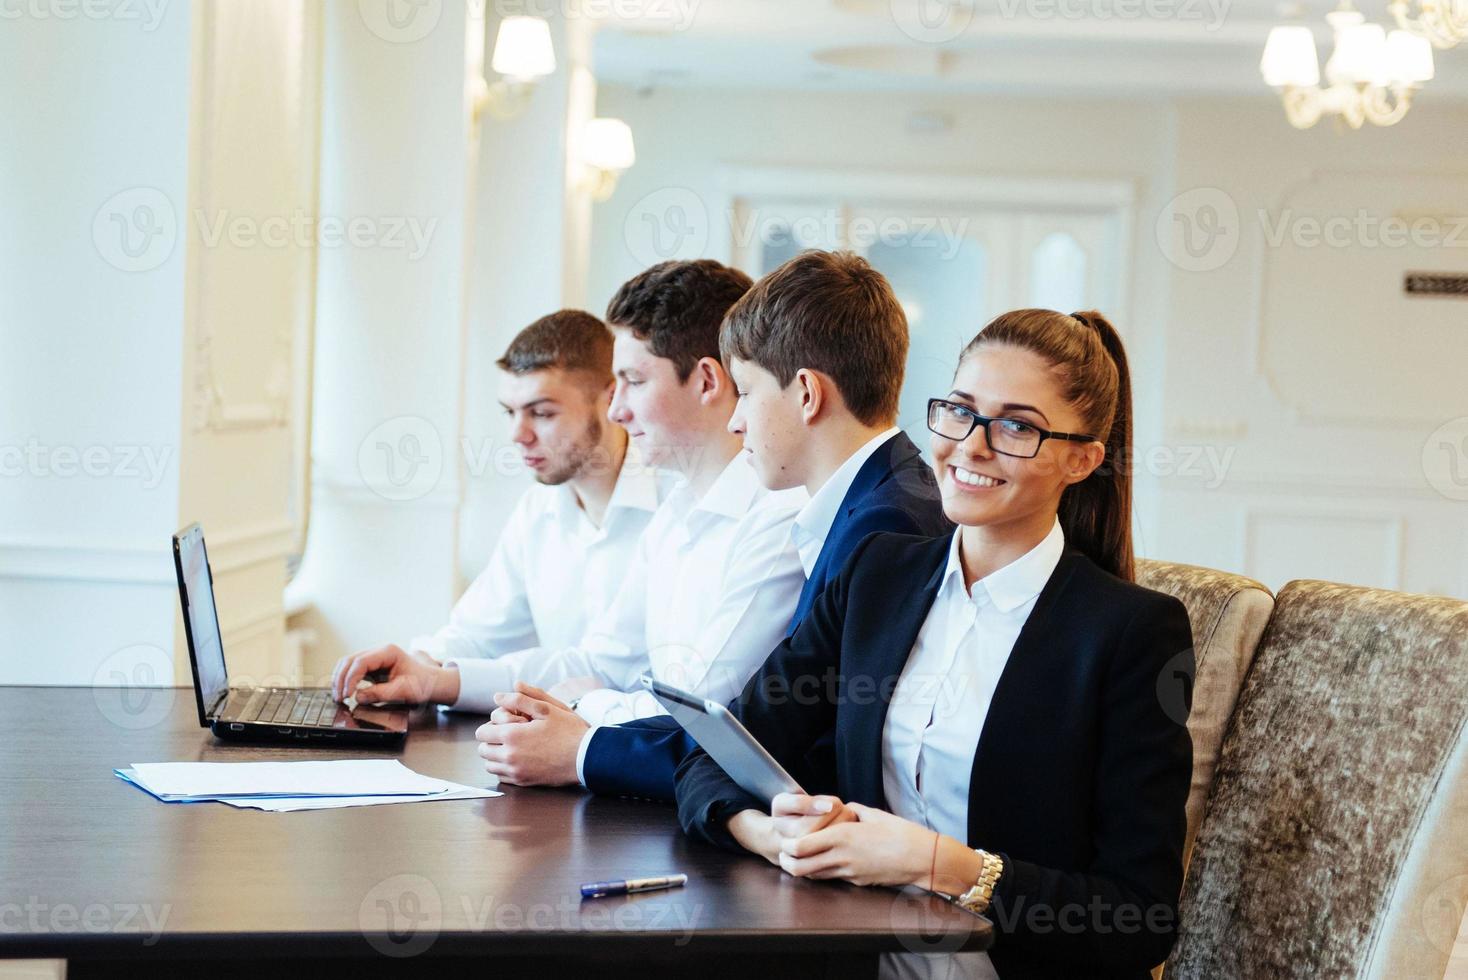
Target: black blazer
{"points": [[894, 490], [1081, 772]]}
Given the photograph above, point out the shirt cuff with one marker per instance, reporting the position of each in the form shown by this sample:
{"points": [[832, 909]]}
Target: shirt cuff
{"points": [[581, 754], [479, 682], [604, 706]]}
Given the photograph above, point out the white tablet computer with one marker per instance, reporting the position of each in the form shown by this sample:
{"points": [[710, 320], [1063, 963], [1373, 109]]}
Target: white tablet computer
{"points": [[725, 740]]}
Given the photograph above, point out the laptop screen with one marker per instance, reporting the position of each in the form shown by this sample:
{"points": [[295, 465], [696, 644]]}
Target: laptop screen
{"points": [[206, 650]]}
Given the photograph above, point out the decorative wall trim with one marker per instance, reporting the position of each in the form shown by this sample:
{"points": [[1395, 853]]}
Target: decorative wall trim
{"points": [[139, 564], [347, 489], [101, 564], [1394, 524], [953, 190], [231, 551], [212, 407], [1258, 337], [1305, 485], [252, 624]]}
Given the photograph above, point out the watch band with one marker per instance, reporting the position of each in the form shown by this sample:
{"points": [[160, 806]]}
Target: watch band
{"points": [[981, 893]]}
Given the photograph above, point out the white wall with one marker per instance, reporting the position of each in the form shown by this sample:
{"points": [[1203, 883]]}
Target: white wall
{"points": [[1280, 496], [137, 390], [84, 557], [1308, 361]]}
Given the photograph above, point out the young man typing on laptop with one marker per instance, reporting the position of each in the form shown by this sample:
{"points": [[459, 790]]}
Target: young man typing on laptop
{"points": [[572, 534], [716, 575], [817, 350]]}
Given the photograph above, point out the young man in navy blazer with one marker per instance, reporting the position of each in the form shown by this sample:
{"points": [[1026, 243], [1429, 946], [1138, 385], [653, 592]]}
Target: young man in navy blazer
{"points": [[817, 350]]}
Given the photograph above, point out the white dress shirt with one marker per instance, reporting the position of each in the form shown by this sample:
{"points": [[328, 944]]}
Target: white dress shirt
{"points": [[706, 597], [813, 523], [939, 705], [552, 571]]}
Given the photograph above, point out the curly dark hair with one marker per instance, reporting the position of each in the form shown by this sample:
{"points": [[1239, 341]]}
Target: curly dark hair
{"points": [[676, 308]]}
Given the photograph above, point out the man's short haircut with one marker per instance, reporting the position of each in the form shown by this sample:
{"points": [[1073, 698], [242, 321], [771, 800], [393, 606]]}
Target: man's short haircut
{"points": [[829, 312], [676, 309], [572, 340]]}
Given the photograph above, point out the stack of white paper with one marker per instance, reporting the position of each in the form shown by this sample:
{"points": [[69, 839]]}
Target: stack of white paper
{"points": [[283, 786]]}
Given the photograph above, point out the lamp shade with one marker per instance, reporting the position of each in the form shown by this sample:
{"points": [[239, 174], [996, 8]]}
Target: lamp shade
{"points": [[607, 145], [1290, 59], [1359, 56], [1408, 58], [522, 49]]}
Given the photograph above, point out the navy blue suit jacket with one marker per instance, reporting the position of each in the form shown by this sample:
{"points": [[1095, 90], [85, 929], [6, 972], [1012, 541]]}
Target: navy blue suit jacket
{"points": [[894, 490]]}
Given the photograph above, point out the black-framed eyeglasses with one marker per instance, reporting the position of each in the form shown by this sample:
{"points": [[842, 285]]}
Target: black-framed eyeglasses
{"points": [[1012, 437]]}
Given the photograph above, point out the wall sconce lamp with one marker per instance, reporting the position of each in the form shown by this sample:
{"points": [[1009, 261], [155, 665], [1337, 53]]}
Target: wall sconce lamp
{"points": [[522, 56], [606, 153]]}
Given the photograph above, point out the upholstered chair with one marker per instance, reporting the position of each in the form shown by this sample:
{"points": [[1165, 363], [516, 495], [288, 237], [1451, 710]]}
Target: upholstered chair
{"points": [[1228, 613], [1335, 842]]}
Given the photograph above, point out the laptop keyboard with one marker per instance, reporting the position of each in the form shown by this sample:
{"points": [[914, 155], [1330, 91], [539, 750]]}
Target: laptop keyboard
{"points": [[309, 708]]}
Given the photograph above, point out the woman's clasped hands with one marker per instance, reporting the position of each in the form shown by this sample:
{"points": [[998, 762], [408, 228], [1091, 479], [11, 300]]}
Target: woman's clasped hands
{"points": [[823, 837]]}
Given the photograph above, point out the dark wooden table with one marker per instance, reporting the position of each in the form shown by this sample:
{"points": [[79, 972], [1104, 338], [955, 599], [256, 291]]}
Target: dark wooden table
{"points": [[99, 873]]}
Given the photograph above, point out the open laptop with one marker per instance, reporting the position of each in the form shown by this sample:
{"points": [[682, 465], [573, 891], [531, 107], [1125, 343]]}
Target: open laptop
{"points": [[263, 714]]}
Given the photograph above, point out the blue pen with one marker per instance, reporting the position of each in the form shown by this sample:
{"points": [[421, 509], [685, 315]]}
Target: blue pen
{"points": [[600, 889]]}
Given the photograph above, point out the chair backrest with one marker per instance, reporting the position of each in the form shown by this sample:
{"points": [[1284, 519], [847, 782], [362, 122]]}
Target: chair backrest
{"points": [[1333, 845], [1228, 613]]}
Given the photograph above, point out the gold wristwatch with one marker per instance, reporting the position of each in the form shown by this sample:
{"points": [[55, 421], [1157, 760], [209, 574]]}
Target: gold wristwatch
{"points": [[977, 898]]}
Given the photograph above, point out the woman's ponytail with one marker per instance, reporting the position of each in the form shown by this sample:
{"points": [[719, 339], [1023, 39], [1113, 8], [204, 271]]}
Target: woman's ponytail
{"points": [[1096, 514]]}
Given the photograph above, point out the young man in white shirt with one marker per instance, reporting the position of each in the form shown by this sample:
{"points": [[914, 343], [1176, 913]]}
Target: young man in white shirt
{"points": [[716, 575], [571, 535], [817, 348]]}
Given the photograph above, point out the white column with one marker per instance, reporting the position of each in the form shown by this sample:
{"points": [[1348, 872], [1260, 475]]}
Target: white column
{"points": [[396, 146], [532, 227]]}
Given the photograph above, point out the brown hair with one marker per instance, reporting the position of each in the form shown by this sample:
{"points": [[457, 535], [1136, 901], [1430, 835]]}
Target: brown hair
{"points": [[830, 312], [572, 340], [676, 308], [1087, 354]]}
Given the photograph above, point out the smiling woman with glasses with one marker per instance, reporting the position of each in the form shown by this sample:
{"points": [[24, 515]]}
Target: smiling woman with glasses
{"points": [[1020, 758]]}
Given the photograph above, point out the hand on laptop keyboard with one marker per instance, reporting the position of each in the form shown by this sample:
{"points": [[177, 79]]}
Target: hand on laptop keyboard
{"points": [[414, 678]]}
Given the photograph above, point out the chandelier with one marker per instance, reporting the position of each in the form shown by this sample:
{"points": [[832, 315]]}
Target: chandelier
{"points": [[1371, 75], [1442, 22]]}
